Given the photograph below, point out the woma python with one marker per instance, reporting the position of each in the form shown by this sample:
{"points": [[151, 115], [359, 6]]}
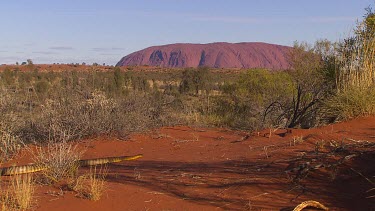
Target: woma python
{"points": [[31, 168]]}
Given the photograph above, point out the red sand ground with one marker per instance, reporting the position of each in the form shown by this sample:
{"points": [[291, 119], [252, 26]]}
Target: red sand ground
{"points": [[186, 168]]}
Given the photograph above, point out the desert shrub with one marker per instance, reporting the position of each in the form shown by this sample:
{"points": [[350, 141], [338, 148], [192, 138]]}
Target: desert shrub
{"points": [[7, 77], [311, 72], [78, 104], [75, 116], [79, 115], [42, 87], [9, 144], [60, 160], [227, 112]]}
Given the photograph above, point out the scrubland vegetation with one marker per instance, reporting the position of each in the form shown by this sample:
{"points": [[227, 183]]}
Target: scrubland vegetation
{"points": [[325, 83]]}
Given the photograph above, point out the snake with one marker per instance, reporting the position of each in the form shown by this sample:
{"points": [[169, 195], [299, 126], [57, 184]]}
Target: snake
{"points": [[32, 168]]}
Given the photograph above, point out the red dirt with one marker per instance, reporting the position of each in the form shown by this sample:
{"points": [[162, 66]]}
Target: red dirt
{"points": [[187, 168]]}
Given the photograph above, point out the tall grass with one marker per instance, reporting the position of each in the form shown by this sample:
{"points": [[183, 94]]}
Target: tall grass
{"points": [[355, 57], [23, 191], [355, 73]]}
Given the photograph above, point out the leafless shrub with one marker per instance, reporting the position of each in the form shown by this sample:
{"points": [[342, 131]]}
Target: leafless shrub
{"points": [[60, 160]]}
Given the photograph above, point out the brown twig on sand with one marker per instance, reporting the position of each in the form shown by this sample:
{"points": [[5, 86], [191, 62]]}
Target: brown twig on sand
{"points": [[305, 204]]}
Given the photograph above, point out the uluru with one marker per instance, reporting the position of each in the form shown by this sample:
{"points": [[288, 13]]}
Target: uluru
{"points": [[215, 55]]}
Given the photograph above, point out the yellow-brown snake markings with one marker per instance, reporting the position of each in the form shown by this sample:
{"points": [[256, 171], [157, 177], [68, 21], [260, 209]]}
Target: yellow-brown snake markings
{"points": [[31, 168]]}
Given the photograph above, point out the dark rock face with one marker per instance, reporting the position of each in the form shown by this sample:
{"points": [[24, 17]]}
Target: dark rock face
{"points": [[218, 55]]}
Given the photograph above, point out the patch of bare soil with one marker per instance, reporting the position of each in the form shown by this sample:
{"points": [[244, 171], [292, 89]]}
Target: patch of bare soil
{"points": [[187, 168]]}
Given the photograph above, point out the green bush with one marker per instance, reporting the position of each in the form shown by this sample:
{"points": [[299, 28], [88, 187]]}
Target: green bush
{"points": [[244, 101], [195, 80], [262, 86]]}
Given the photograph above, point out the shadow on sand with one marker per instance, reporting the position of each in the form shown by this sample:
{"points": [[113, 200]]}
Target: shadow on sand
{"points": [[242, 185]]}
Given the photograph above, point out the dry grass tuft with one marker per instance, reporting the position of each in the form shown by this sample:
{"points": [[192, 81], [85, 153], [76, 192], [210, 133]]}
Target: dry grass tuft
{"points": [[296, 140], [350, 103], [23, 190], [19, 194], [90, 185], [96, 184]]}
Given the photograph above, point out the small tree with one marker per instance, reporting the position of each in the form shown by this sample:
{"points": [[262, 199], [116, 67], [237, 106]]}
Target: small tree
{"points": [[194, 80], [119, 79], [29, 62], [310, 73]]}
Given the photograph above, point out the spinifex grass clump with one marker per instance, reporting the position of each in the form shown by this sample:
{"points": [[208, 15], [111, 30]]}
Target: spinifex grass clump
{"points": [[350, 103]]}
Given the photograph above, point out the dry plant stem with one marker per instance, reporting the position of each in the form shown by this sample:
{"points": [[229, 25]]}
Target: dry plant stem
{"points": [[368, 180], [372, 196], [265, 149]]}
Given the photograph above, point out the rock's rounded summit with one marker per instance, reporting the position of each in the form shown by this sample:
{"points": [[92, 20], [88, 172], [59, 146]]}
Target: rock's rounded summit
{"points": [[216, 55]]}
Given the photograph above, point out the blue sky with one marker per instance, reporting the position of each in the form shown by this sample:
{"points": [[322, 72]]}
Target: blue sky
{"points": [[103, 31]]}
